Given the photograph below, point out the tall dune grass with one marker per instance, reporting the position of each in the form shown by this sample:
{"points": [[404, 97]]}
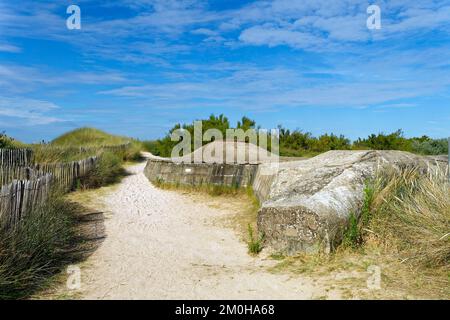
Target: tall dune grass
{"points": [[108, 170], [408, 211], [37, 248], [44, 153]]}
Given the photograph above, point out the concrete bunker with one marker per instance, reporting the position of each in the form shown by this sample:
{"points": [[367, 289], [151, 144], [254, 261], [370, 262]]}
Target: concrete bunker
{"points": [[305, 204]]}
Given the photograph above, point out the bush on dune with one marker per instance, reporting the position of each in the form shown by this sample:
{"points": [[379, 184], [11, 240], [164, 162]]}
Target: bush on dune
{"points": [[108, 170], [8, 142], [150, 146], [381, 141], [133, 151], [299, 143], [430, 146]]}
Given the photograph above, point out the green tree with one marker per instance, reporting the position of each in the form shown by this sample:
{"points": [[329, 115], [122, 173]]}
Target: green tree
{"points": [[246, 123], [5, 141], [381, 141]]}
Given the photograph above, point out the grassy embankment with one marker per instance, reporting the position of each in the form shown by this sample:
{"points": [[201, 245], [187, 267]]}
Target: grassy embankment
{"points": [[46, 238], [113, 152]]}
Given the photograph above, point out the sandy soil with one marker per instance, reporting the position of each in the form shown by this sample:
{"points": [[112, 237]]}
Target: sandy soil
{"points": [[165, 245]]}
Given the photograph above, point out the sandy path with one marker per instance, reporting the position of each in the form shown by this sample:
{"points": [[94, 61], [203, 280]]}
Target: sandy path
{"points": [[163, 245]]}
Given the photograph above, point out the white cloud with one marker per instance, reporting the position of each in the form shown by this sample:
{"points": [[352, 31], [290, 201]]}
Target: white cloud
{"points": [[204, 31], [9, 48], [28, 111], [272, 36], [296, 23], [335, 22], [377, 80], [17, 79]]}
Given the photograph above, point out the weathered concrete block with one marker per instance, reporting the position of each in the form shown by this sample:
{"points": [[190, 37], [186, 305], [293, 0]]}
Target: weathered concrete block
{"points": [[309, 202]]}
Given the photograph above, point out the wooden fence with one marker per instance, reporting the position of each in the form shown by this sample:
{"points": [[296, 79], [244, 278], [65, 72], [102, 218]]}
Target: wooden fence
{"points": [[10, 173], [25, 188], [20, 196], [89, 149], [15, 157], [65, 174]]}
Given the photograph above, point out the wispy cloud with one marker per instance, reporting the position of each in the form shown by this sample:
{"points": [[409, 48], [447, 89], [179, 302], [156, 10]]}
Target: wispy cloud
{"points": [[26, 111], [9, 48], [18, 79], [269, 88], [157, 29]]}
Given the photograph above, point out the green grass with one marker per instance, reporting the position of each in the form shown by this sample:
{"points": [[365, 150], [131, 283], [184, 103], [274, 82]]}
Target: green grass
{"points": [[255, 243], [356, 229], [94, 141], [352, 235], [108, 170], [43, 153], [37, 249]]}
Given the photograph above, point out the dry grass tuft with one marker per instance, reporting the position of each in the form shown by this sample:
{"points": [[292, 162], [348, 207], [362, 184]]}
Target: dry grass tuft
{"points": [[411, 213]]}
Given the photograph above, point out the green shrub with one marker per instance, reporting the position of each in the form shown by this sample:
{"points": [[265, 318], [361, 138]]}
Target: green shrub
{"points": [[366, 213], [150, 146], [133, 151], [8, 142], [352, 235], [381, 141], [296, 143], [108, 170], [357, 227], [36, 249], [331, 142], [430, 146]]}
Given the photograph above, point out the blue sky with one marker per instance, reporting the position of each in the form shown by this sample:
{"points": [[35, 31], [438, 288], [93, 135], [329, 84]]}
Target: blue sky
{"points": [[137, 67]]}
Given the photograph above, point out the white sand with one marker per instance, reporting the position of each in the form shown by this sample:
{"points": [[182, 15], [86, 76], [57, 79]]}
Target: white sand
{"points": [[163, 245]]}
